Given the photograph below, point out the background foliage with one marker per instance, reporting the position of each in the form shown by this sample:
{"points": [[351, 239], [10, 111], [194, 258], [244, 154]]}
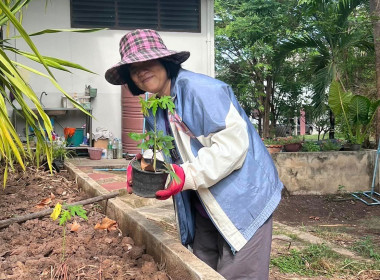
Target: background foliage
{"points": [[281, 56]]}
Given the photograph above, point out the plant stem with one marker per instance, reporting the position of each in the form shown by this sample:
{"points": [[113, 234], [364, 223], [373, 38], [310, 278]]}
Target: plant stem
{"points": [[63, 242], [155, 141]]}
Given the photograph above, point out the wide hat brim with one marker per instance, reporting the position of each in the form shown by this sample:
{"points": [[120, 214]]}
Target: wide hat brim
{"points": [[112, 75]]}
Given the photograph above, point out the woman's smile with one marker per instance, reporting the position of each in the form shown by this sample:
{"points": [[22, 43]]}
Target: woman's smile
{"points": [[150, 76]]}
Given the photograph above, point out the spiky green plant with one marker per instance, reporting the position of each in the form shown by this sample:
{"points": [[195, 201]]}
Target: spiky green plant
{"points": [[11, 81]]}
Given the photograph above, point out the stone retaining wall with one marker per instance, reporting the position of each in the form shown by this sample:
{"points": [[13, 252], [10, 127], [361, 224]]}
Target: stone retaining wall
{"points": [[324, 172]]}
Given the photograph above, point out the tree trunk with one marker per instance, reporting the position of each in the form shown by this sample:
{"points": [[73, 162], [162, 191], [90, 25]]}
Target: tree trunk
{"points": [[375, 13], [267, 90], [272, 110], [260, 130], [332, 126]]}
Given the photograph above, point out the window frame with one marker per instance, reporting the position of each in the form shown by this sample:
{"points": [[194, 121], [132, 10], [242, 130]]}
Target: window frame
{"points": [[158, 28]]}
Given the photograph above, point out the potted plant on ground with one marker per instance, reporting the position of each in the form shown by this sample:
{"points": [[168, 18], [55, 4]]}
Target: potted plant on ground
{"points": [[331, 145], [149, 176], [291, 144], [273, 145], [59, 154], [355, 112]]}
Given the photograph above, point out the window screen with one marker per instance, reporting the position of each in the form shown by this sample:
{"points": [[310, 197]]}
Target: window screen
{"points": [[165, 15]]}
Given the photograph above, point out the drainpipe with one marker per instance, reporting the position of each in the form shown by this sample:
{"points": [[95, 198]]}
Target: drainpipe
{"points": [[210, 37]]}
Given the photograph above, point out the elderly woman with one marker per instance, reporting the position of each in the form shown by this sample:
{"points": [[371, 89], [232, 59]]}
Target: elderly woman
{"points": [[229, 185]]}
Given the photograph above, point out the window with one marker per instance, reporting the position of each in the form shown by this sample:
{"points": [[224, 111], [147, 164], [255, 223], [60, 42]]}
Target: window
{"points": [[165, 15]]}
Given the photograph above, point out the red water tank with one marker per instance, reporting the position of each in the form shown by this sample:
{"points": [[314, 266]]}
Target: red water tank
{"points": [[131, 119]]}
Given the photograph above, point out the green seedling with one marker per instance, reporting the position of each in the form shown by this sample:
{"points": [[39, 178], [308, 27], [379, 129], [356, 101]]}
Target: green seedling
{"points": [[64, 216], [156, 140]]}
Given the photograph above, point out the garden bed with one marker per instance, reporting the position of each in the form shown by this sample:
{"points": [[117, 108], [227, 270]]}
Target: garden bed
{"points": [[33, 250]]}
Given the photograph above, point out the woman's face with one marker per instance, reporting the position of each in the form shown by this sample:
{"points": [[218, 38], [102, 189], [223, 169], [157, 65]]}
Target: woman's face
{"points": [[150, 76]]}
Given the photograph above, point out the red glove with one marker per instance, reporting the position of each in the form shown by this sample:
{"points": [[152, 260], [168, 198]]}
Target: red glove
{"points": [[173, 187], [129, 173]]}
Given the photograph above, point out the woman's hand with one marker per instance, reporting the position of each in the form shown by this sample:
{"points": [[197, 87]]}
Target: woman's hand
{"points": [[129, 173], [173, 187]]}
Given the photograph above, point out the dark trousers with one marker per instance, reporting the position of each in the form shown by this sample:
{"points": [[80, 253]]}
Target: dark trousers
{"points": [[251, 262]]}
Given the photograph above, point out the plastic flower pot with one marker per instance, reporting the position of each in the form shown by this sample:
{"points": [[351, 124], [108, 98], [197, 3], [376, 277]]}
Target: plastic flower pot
{"points": [[274, 148], [293, 147], [147, 183]]}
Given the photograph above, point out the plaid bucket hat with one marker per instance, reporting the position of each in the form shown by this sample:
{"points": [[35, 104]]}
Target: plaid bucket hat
{"points": [[142, 45]]}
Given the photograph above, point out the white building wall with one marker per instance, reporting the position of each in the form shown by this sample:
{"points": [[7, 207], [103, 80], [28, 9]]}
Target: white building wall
{"points": [[98, 51]]}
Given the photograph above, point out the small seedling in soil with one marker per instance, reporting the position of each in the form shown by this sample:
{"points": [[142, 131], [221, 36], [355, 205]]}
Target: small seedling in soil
{"points": [[65, 215]]}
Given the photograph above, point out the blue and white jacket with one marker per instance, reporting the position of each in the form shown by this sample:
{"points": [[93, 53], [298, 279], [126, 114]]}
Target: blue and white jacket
{"points": [[223, 158]]}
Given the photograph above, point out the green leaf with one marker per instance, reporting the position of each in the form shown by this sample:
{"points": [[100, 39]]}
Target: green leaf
{"points": [[373, 108], [51, 61], [358, 109], [339, 100], [78, 210], [144, 106], [167, 103], [24, 35], [65, 217], [137, 136], [154, 103], [79, 30], [171, 172]]}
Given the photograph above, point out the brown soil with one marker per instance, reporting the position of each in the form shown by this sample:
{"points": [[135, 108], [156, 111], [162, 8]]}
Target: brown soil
{"points": [[331, 211], [339, 219], [33, 250]]}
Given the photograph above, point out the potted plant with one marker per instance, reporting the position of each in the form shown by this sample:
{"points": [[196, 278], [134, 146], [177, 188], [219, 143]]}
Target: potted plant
{"points": [[273, 145], [59, 154], [331, 145], [355, 112], [149, 176], [291, 144]]}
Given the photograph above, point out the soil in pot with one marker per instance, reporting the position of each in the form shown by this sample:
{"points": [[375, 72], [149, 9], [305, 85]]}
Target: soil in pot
{"points": [[147, 183], [292, 147]]}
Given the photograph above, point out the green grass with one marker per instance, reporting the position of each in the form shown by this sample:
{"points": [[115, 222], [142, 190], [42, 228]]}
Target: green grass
{"points": [[286, 233], [314, 137], [366, 248], [332, 234], [320, 260], [310, 261]]}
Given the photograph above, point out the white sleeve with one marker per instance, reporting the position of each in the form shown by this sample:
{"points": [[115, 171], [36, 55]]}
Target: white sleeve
{"points": [[223, 152]]}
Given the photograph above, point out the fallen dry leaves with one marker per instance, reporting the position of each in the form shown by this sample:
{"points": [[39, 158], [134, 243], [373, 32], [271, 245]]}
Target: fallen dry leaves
{"points": [[107, 224], [46, 201], [74, 226]]}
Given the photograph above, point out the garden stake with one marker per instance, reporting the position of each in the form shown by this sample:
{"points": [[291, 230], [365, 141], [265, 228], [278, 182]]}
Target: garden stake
{"points": [[370, 195]]}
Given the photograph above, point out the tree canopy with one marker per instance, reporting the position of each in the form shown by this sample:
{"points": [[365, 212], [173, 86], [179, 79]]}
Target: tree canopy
{"points": [[281, 56]]}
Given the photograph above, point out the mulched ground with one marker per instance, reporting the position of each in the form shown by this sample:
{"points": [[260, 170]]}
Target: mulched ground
{"points": [[333, 210], [33, 250]]}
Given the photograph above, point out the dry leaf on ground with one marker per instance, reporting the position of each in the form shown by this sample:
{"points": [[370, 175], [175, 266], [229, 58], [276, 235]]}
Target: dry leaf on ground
{"points": [[45, 201], [74, 226], [107, 224]]}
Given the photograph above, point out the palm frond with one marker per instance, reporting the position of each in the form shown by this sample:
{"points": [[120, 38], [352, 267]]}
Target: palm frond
{"points": [[24, 35], [77, 30]]}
